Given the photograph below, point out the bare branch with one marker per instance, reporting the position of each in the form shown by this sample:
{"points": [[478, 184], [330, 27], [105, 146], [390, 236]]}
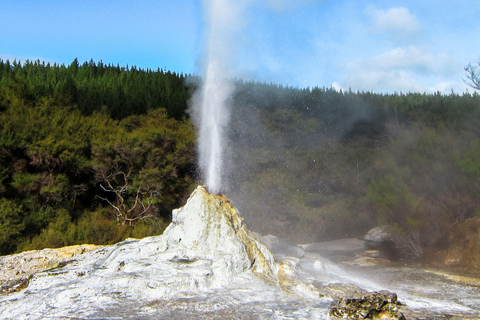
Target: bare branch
{"points": [[137, 200], [473, 75], [119, 213], [105, 189], [118, 177]]}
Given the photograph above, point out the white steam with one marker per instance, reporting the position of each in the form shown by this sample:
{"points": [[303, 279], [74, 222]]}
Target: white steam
{"points": [[225, 21], [210, 102], [213, 121]]}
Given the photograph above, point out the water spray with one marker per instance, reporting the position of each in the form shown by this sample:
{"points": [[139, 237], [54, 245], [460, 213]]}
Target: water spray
{"points": [[214, 119], [210, 103]]}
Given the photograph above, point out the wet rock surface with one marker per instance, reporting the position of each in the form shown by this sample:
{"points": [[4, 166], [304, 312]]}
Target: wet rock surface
{"points": [[362, 305], [207, 265], [17, 270], [348, 270]]}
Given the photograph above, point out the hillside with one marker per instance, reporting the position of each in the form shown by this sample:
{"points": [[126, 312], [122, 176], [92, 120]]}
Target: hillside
{"points": [[308, 164]]}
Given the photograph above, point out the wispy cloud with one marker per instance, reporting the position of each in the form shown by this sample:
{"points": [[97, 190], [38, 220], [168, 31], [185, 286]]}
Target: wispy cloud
{"points": [[379, 80], [414, 58], [397, 22], [409, 68]]}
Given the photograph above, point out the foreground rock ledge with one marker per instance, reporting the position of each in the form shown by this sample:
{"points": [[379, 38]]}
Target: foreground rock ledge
{"points": [[206, 246], [381, 305], [205, 255], [17, 269]]}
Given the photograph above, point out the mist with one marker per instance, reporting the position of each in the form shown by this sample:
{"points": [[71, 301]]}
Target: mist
{"points": [[210, 103], [228, 35], [253, 138], [288, 168], [322, 163]]}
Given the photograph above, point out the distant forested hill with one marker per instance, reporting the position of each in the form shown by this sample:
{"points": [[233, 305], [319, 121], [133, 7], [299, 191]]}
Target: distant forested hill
{"points": [[317, 164], [87, 151], [117, 91]]}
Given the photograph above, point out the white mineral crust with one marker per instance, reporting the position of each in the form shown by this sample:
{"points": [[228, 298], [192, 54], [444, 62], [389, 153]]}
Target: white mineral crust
{"points": [[208, 265], [206, 246]]}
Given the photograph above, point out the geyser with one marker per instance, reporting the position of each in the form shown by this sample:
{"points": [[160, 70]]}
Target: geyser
{"points": [[207, 247], [213, 120], [210, 102], [207, 264]]}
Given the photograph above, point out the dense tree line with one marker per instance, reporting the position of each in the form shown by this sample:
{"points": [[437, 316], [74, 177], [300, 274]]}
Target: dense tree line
{"points": [[329, 164], [117, 91], [88, 151], [78, 141]]}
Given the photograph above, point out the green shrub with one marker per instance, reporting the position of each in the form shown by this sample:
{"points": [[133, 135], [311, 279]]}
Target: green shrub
{"points": [[58, 233], [12, 224]]}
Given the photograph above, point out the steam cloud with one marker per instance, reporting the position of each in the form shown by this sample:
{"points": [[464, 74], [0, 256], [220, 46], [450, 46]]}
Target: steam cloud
{"points": [[210, 104], [210, 101], [224, 22]]}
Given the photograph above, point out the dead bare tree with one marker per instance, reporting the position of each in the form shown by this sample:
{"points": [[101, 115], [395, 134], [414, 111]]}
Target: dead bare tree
{"points": [[131, 202], [473, 75], [135, 191]]}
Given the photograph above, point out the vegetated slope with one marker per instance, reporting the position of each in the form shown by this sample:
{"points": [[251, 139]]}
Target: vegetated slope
{"points": [[77, 142], [329, 164], [308, 164]]}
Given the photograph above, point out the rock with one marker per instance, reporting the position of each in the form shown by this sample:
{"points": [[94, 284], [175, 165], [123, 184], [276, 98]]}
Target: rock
{"points": [[353, 302], [381, 239], [205, 248], [209, 228], [17, 269], [281, 247], [337, 291], [381, 305], [378, 235]]}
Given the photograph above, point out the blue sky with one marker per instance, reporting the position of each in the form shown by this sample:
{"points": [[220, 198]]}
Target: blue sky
{"points": [[381, 46]]}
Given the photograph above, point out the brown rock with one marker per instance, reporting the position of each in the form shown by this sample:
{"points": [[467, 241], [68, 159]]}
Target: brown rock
{"points": [[17, 269], [375, 305]]}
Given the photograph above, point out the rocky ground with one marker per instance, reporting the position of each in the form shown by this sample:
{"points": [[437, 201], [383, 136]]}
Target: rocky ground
{"points": [[208, 265], [16, 270], [428, 293]]}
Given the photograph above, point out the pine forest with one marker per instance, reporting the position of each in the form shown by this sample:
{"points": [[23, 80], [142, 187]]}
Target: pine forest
{"points": [[95, 153]]}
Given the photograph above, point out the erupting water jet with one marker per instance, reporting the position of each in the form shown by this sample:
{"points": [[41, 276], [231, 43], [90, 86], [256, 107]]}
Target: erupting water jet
{"points": [[210, 102], [213, 120]]}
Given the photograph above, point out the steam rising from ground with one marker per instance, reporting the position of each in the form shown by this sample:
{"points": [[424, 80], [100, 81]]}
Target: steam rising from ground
{"points": [[252, 159]]}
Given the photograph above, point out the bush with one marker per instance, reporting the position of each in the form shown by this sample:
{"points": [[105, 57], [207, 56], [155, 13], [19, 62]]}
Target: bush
{"points": [[58, 233], [12, 224], [93, 227]]}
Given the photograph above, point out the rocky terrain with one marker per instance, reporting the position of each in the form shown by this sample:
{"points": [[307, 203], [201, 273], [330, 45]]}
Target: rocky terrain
{"points": [[17, 270], [208, 265]]}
